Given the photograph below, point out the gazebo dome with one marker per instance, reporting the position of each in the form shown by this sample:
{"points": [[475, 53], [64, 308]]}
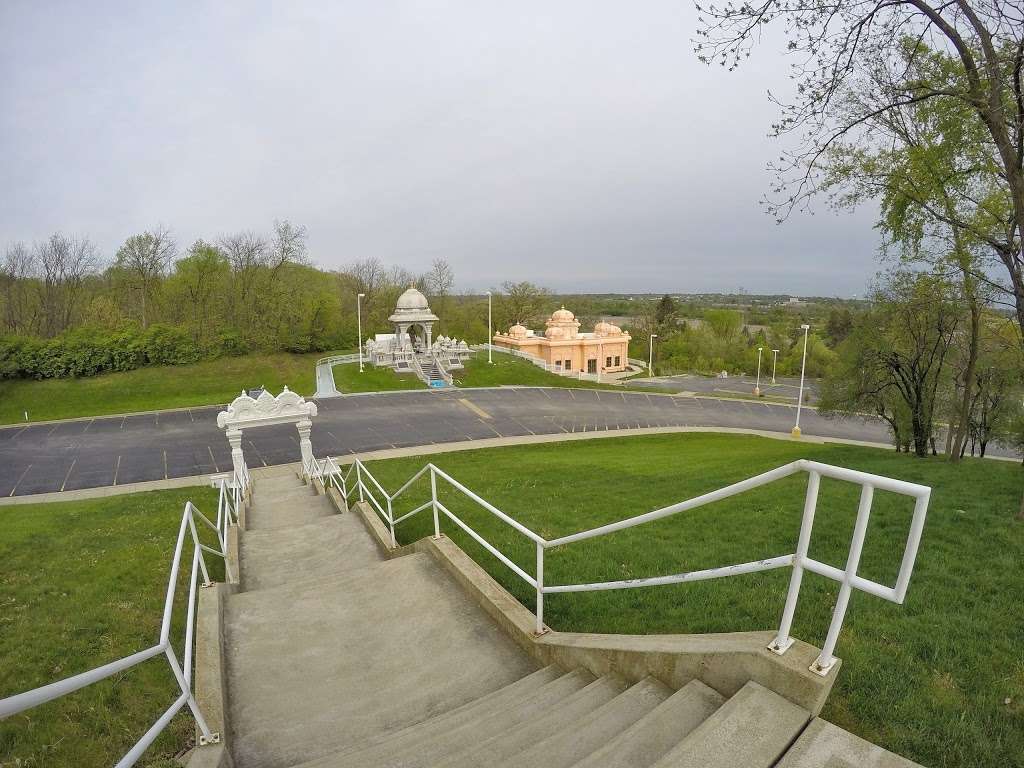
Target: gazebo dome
{"points": [[517, 331], [562, 315], [412, 301], [607, 329]]}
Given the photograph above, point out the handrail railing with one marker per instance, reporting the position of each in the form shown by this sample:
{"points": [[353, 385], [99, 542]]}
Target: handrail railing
{"points": [[231, 493], [847, 577]]}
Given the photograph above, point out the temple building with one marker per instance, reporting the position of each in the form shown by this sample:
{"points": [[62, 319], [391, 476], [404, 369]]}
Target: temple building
{"points": [[568, 351]]}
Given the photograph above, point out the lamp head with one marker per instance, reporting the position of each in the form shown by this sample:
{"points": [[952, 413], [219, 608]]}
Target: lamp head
{"points": [[360, 295], [804, 327]]}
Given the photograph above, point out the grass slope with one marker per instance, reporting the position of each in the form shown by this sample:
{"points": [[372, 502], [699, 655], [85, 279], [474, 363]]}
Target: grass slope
{"points": [[207, 383], [509, 370], [348, 379], [505, 371], [82, 584], [929, 679]]}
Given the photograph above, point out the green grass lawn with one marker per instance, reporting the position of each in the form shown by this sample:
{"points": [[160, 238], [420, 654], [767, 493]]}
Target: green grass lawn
{"points": [[210, 382], [82, 583], [506, 370], [939, 679], [348, 379], [509, 370]]}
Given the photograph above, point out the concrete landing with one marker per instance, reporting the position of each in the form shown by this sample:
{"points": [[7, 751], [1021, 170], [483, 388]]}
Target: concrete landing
{"points": [[327, 546]]}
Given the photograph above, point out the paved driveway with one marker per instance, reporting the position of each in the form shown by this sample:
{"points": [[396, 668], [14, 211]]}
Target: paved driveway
{"points": [[126, 449]]}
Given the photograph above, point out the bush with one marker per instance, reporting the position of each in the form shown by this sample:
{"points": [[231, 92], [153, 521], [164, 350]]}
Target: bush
{"points": [[89, 351]]}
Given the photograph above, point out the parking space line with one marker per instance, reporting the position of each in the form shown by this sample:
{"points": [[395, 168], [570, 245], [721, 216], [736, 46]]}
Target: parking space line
{"points": [[165, 465], [19, 480], [68, 474], [475, 408], [258, 456], [117, 468], [215, 467]]}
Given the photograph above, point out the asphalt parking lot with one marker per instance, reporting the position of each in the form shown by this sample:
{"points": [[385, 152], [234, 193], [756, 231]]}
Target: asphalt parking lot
{"points": [[783, 388], [116, 450]]}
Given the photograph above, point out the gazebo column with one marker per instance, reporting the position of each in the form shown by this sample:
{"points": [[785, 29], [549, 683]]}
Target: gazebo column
{"points": [[305, 445], [234, 437], [427, 329]]}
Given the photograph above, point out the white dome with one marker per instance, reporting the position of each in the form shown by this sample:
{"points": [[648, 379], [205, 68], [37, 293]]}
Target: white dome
{"points": [[413, 300]]}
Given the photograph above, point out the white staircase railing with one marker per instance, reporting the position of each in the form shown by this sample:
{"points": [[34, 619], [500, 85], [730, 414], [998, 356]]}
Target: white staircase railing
{"points": [[232, 494], [371, 491]]}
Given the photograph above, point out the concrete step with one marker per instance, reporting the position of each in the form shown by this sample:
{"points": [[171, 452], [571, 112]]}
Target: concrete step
{"points": [[430, 742], [286, 510], [327, 546], [541, 725], [588, 734], [315, 669], [279, 481], [415, 735], [653, 735], [823, 745], [366, 579], [752, 729]]}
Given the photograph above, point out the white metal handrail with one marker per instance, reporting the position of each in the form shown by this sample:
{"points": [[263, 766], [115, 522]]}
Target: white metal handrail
{"points": [[230, 496], [847, 577]]}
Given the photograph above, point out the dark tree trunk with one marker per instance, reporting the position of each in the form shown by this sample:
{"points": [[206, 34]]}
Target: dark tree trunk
{"points": [[959, 430]]}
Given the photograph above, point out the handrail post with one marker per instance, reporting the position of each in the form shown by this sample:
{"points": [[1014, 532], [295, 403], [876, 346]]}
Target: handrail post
{"points": [[433, 502], [540, 629], [359, 479], [391, 522], [826, 660], [783, 640]]}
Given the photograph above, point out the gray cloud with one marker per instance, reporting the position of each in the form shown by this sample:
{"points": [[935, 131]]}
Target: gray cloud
{"points": [[576, 144]]}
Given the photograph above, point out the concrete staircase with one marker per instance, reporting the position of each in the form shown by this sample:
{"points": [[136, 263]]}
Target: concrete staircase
{"points": [[337, 657]]}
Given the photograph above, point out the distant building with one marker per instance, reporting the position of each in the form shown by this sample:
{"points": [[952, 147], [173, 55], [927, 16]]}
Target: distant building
{"points": [[566, 349]]}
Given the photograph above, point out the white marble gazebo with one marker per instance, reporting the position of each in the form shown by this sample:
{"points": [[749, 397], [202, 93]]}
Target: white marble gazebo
{"points": [[412, 310]]}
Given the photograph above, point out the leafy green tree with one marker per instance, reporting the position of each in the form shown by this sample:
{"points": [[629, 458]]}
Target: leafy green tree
{"points": [[144, 259], [894, 356]]}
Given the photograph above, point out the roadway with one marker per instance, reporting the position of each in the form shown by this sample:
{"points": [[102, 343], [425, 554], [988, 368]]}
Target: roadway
{"points": [[115, 450]]}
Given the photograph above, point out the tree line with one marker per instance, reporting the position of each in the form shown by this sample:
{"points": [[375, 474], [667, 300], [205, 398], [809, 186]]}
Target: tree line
{"points": [[65, 310]]}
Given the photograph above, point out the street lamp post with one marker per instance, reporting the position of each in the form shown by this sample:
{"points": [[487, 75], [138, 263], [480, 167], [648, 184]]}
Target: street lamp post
{"points": [[775, 362], [757, 386], [359, 320], [800, 399], [490, 333], [650, 355]]}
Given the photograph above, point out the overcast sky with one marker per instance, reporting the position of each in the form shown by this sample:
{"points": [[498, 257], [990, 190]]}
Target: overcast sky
{"points": [[577, 144]]}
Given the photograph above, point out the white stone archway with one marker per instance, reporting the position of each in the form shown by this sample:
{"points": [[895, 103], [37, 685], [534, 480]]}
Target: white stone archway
{"points": [[246, 412]]}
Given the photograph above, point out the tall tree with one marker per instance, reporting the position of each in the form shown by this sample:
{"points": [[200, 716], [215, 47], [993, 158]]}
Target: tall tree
{"points": [[896, 352], [16, 270], [64, 263], [145, 258], [521, 302], [840, 48]]}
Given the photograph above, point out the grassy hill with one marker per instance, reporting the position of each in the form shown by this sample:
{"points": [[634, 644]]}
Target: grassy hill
{"points": [[939, 679]]}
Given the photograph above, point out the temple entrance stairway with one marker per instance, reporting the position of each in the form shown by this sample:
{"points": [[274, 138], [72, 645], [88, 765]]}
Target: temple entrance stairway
{"points": [[337, 657]]}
